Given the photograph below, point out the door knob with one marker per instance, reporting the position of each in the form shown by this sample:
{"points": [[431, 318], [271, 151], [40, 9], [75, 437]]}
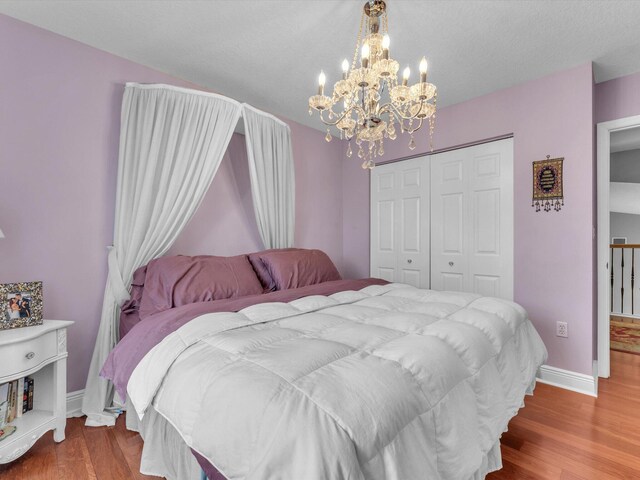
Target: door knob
{"points": [[451, 264], [409, 261]]}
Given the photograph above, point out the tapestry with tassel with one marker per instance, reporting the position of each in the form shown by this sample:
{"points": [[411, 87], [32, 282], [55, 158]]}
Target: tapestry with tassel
{"points": [[547, 184]]}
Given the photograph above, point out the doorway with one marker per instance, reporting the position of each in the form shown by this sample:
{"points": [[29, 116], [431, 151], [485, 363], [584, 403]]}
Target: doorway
{"points": [[618, 245]]}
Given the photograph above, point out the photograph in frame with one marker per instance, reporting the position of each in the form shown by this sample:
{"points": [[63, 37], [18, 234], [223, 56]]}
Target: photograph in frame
{"points": [[20, 305]]}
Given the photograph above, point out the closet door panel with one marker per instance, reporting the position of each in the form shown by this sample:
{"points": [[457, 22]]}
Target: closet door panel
{"points": [[451, 282], [491, 214], [385, 214], [413, 231], [472, 219], [487, 285], [486, 217], [385, 273], [448, 227], [383, 242], [400, 222], [411, 225], [452, 225]]}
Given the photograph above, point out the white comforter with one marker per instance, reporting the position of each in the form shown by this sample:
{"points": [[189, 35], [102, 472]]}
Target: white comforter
{"points": [[390, 382]]}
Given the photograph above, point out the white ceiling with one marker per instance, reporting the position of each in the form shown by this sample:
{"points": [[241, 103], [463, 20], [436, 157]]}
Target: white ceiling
{"points": [[269, 52], [623, 140]]}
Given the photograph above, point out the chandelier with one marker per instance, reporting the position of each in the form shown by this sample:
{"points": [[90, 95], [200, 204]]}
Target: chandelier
{"points": [[368, 102]]}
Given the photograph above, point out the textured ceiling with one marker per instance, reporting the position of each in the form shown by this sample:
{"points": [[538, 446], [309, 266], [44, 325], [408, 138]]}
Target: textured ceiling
{"points": [[269, 52]]}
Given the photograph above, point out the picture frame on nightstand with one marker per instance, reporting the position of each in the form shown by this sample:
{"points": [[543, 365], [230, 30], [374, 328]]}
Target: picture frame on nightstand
{"points": [[20, 305]]}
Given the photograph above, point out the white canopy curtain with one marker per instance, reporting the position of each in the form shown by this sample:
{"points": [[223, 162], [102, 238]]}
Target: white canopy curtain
{"points": [[172, 141], [272, 176]]}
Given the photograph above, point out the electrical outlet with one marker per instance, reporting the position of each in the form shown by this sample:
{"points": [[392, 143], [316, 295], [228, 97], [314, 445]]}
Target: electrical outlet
{"points": [[561, 329]]}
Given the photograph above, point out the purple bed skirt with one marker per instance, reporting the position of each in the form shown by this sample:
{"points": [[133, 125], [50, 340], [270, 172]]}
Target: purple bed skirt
{"points": [[208, 469]]}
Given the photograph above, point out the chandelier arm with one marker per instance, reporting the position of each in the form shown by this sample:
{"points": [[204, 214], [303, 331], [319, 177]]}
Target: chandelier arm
{"points": [[411, 132], [406, 128], [392, 108], [341, 117], [400, 118], [347, 99]]}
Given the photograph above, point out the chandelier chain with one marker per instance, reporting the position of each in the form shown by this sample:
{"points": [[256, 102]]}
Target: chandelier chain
{"points": [[358, 40], [385, 22]]}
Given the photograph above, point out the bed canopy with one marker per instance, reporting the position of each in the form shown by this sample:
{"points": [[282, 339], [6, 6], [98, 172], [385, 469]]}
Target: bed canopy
{"points": [[172, 141]]}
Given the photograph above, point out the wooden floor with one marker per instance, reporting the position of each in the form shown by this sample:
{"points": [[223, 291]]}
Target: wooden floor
{"points": [[103, 453], [559, 435]]}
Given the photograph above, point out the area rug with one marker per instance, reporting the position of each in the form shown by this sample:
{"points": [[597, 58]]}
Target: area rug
{"points": [[625, 336]]}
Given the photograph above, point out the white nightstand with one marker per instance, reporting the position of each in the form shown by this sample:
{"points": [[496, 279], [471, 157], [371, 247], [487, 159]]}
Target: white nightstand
{"points": [[39, 352]]}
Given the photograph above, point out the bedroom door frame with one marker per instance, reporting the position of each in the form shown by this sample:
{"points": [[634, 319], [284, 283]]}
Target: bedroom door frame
{"points": [[603, 160]]}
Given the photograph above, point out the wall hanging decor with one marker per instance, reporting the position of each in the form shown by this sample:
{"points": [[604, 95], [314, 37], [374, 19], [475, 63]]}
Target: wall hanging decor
{"points": [[547, 184], [21, 304]]}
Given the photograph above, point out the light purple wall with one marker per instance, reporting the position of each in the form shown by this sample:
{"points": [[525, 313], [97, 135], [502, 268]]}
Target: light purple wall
{"points": [[225, 222], [617, 98], [59, 122], [59, 127], [553, 251]]}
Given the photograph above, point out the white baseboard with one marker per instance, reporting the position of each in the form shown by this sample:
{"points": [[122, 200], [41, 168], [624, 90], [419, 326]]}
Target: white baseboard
{"points": [[576, 382], [74, 403]]}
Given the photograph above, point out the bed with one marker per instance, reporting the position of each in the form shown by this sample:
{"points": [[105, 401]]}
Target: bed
{"points": [[310, 376]]}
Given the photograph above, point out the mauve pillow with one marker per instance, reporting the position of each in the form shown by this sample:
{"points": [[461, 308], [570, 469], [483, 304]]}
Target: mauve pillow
{"points": [[129, 312], [299, 268], [181, 280], [268, 284]]}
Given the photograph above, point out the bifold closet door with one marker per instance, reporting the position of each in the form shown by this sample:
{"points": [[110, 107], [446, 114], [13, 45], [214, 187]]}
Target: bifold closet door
{"points": [[400, 222], [472, 219]]}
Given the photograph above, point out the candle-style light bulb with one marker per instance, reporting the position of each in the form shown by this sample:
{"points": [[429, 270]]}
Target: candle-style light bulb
{"points": [[423, 70], [385, 46], [405, 76], [365, 55], [345, 69], [321, 81]]}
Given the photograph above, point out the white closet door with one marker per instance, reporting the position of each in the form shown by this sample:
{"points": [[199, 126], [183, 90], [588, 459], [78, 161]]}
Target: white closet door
{"points": [[400, 222], [383, 239], [449, 229], [472, 219]]}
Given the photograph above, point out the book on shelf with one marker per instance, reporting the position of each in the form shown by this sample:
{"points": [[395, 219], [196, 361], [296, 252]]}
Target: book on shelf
{"points": [[11, 416], [16, 399], [25, 395], [19, 397], [4, 403], [30, 395]]}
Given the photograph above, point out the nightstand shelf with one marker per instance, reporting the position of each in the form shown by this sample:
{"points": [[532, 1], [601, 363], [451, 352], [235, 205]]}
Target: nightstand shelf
{"points": [[41, 353]]}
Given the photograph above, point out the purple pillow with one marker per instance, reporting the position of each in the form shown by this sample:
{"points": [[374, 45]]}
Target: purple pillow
{"points": [[299, 268], [181, 280], [129, 312], [268, 284]]}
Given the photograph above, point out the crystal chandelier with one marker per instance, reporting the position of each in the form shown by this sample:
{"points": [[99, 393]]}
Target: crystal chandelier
{"points": [[368, 101]]}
